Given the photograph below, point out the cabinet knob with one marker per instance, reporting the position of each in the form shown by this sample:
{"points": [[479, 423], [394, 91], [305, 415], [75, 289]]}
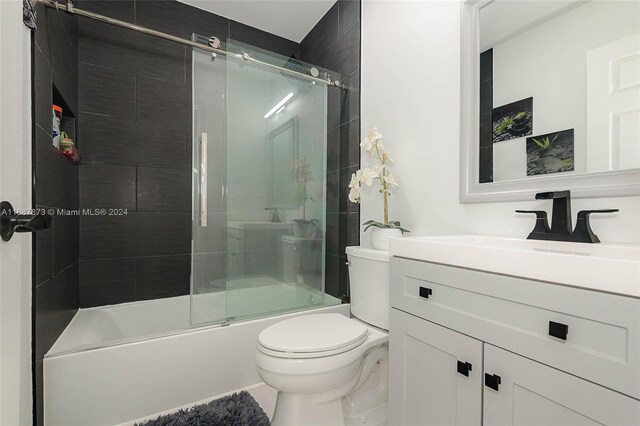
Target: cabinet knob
{"points": [[464, 368], [425, 292], [558, 330], [492, 381]]}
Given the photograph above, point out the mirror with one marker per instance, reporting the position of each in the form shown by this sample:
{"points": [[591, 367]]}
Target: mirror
{"points": [[551, 98], [283, 154]]}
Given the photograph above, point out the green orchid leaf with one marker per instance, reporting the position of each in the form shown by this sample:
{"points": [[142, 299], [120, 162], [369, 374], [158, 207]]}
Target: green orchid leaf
{"points": [[540, 144]]}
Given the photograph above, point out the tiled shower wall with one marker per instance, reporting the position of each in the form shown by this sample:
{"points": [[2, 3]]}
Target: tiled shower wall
{"points": [[486, 119], [55, 261], [135, 128], [334, 43]]}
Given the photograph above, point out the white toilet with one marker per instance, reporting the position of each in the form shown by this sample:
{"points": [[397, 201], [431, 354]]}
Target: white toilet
{"points": [[329, 369]]}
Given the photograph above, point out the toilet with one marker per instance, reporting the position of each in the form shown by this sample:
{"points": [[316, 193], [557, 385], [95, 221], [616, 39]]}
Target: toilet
{"points": [[329, 369]]}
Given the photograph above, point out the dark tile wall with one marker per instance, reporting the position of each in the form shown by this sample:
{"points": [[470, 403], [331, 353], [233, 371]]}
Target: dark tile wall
{"points": [[334, 43], [486, 122], [135, 127], [55, 250]]}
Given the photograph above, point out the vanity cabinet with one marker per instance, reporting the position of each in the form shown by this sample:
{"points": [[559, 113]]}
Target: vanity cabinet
{"points": [[435, 374], [255, 250], [531, 393], [539, 353]]}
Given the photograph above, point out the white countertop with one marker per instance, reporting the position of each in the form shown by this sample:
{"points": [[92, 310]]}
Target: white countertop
{"points": [[263, 226], [612, 268]]}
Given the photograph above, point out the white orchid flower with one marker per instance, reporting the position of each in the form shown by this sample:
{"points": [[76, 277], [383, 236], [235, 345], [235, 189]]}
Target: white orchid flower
{"points": [[368, 175], [367, 145], [377, 168], [354, 195], [355, 181], [390, 180], [378, 173], [374, 135], [373, 140]]}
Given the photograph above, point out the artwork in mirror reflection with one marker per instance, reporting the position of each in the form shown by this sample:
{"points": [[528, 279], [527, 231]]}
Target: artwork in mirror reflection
{"points": [[550, 153], [579, 62], [513, 120]]}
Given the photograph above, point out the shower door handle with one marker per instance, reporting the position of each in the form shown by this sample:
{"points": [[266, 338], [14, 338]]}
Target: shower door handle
{"points": [[203, 179]]}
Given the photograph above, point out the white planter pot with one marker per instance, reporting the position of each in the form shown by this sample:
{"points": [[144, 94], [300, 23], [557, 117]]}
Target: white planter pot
{"points": [[380, 237], [303, 229]]}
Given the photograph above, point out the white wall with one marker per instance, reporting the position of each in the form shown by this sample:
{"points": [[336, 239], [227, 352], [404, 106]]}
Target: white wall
{"points": [[549, 62], [411, 92], [15, 186]]}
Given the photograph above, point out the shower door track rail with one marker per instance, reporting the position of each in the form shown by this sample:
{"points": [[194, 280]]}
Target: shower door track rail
{"points": [[69, 8]]}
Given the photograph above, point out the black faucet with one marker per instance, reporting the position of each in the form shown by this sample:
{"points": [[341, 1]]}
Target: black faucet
{"points": [[561, 220], [561, 213], [275, 216]]}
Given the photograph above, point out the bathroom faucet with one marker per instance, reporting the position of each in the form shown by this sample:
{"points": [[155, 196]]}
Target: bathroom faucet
{"points": [[561, 220], [561, 213], [275, 216]]}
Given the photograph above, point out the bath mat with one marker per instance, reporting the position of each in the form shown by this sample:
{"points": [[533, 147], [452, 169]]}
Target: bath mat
{"points": [[239, 409]]}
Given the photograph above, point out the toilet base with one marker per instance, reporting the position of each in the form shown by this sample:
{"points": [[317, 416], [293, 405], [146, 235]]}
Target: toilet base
{"points": [[304, 410]]}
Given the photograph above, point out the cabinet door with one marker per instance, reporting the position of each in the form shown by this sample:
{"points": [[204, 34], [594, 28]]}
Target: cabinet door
{"points": [[530, 393], [425, 386]]}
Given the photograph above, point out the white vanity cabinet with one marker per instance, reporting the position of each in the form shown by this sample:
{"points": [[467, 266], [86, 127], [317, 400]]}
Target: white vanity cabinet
{"points": [[425, 386], [540, 353], [531, 393]]}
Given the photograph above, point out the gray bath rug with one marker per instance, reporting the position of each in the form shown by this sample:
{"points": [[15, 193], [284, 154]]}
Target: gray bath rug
{"points": [[239, 409]]}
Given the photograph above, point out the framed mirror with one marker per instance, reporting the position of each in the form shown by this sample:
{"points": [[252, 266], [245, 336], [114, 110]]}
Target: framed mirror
{"points": [[283, 154], [550, 98]]}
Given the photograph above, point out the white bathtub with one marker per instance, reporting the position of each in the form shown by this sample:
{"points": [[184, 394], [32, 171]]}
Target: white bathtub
{"points": [[118, 363]]}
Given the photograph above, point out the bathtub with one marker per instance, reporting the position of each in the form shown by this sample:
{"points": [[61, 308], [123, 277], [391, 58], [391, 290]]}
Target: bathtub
{"points": [[118, 363]]}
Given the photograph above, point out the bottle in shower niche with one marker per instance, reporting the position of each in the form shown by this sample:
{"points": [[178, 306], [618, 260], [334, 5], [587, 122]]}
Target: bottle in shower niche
{"points": [[57, 115]]}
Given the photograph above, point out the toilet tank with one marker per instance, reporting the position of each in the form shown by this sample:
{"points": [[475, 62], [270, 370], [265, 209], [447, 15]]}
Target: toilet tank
{"points": [[369, 284]]}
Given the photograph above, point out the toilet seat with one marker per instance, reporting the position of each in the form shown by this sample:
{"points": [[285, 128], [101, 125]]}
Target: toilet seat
{"points": [[312, 336]]}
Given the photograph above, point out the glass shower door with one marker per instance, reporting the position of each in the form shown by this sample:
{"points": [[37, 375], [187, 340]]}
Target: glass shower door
{"points": [[208, 281], [275, 176], [259, 167]]}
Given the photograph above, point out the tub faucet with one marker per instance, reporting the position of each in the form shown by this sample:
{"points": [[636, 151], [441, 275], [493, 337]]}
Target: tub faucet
{"points": [[561, 220]]}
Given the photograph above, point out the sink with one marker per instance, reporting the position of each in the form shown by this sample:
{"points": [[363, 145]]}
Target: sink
{"points": [[260, 225], [613, 268]]}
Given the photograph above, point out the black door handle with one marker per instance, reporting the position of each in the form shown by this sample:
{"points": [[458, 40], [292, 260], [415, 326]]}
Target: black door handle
{"points": [[492, 381], [464, 368], [10, 222], [559, 330], [425, 292]]}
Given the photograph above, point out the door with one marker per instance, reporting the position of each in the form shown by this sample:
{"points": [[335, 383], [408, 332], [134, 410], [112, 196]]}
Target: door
{"points": [[15, 187], [613, 106], [435, 374], [530, 393]]}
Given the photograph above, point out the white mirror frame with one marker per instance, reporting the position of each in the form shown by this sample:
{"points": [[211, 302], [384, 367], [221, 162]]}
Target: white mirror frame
{"points": [[585, 185]]}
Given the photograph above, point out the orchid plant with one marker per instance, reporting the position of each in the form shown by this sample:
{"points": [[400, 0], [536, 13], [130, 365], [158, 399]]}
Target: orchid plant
{"points": [[299, 195], [378, 173]]}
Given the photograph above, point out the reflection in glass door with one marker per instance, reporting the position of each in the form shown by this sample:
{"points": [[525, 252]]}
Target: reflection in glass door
{"points": [[276, 163], [259, 167]]}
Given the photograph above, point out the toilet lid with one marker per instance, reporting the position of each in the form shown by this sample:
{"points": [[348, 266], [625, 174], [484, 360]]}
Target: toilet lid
{"points": [[312, 334]]}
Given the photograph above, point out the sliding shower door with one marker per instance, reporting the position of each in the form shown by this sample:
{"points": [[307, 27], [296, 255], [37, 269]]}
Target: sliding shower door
{"points": [[275, 177], [208, 207], [259, 167]]}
